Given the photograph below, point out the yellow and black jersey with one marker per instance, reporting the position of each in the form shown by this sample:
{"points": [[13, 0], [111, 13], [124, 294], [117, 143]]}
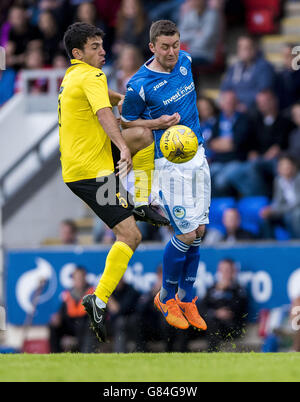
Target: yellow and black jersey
{"points": [[85, 147]]}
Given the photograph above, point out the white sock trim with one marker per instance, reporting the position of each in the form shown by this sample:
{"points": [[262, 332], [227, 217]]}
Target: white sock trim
{"points": [[100, 303]]}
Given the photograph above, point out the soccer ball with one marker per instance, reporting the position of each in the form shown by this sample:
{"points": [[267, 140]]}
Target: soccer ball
{"points": [[179, 144]]}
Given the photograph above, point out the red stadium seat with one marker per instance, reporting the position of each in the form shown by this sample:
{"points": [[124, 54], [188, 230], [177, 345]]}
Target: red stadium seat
{"points": [[273, 5], [39, 346], [261, 21]]}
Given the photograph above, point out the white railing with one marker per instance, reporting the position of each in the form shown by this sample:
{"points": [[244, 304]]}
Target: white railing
{"points": [[41, 102]]}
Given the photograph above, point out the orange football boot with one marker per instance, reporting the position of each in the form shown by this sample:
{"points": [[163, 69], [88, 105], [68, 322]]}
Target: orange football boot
{"points": [[191, 313], [171, 311]]}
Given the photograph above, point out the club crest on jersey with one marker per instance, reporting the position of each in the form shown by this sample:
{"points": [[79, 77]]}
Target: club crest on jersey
{"points": [[160, 84], [183, 70], [179, 212], [184, 224]]}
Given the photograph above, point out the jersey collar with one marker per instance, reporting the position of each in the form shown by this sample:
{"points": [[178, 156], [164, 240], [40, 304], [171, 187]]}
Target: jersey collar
{"points": [[146, 64], [74, 62]]}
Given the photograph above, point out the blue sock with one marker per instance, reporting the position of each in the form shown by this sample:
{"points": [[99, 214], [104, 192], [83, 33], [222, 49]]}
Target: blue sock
{"points": [[189, 273], [173, 262]]}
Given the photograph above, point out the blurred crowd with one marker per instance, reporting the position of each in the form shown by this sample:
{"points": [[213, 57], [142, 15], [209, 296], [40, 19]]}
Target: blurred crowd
{"points": [[134, 325], [31, 31], [252, 130]]}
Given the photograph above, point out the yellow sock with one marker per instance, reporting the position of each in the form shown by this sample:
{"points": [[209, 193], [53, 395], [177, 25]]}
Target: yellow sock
{"points": [[115, 266], [143, 166]]}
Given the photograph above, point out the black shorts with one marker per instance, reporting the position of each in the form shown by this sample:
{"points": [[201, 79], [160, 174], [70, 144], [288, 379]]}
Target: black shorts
{"points": [[106, 197]]}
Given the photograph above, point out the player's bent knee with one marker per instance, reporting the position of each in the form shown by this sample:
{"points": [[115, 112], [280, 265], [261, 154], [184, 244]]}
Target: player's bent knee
{"points": [[147, 137], [137, 138], [128, 232], [131, 237]]}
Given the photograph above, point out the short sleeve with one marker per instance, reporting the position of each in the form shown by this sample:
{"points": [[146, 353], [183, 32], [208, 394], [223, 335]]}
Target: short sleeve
{"points": [[188, 56], [133, 106], [94, 86]]}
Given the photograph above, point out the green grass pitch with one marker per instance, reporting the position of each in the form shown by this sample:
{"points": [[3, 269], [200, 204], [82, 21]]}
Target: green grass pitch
{"points": [[151, 367]]}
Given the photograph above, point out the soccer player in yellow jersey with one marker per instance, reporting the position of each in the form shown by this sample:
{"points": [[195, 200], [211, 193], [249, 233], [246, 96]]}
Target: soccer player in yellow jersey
{"points": [[88, 131]]}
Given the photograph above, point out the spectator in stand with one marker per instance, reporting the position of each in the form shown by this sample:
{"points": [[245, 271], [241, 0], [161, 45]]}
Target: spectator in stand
{"points": [[129, 61], [224, 306], [87, 12], [208, 112], [22, 36], [4, 24], [102, 233], [61, 9], [285, 207], [107, 12], [50, 4], [288, 80], [60, 60], [50, 36], [200, 30], [121, 315], [132, 27], [250, 75], [71, 319], [68, 232], [270, 134], [34, 59], [294, 139], [4, 8], [230, 144], [163, 9], [280, 328], [233, 232]]}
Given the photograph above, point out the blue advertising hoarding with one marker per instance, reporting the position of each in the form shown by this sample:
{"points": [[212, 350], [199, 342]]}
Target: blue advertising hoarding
{"points": [[271, 274]]}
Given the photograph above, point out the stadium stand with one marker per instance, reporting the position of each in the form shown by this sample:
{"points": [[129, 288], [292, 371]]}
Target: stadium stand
{"points": [[217, 208], [249, 208], [262, 17]]}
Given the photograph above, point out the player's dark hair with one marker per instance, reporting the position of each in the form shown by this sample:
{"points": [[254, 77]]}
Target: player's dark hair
{"points": [[162, 27], [77, 35]]}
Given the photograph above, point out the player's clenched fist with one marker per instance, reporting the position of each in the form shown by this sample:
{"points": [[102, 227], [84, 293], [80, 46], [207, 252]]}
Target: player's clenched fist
{"points": [[166, 121], [125, 163]]}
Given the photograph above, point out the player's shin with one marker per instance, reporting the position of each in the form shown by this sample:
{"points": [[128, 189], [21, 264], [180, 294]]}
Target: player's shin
{"points": [[189, 273], [184, 297], [115, 266], [173, 263]]}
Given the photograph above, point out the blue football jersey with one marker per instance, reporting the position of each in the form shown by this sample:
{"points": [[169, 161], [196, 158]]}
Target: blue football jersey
{"points": [[151, 94]]}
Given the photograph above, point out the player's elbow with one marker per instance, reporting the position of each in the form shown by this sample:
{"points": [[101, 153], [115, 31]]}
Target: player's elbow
{"points": [[125, 124], [104, 114]]}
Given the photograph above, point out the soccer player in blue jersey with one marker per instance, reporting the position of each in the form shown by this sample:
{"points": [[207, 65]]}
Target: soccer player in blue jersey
{"points": [[162, 94]]}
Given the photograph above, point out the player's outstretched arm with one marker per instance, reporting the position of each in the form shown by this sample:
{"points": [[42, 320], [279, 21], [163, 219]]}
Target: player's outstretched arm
{"points": [[115, 97], [160, 123], [111, 127]]}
